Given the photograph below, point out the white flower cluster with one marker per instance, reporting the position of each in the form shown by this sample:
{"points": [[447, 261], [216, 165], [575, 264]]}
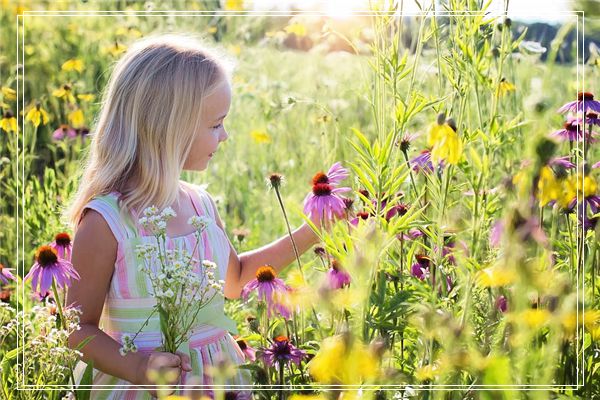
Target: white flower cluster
{"points": [[199, 222], [156, 222], [128, 345], [180, 285], [45, 346]]}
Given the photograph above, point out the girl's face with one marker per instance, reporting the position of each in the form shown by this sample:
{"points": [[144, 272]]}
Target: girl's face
{"points": [[212, 132]]}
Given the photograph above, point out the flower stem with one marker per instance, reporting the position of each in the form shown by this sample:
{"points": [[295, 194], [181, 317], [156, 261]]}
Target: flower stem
{"points": [[63, 324], [287, 223]]}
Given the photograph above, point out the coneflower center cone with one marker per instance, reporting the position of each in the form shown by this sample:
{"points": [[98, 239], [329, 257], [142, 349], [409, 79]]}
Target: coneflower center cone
{"points": [[587, 96], [322, 189], [265, 274], [46, 256], [62, 239], [320, 177]]}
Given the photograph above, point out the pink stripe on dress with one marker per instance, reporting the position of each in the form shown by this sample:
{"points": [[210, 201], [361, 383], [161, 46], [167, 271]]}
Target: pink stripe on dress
{"points": [[122, 277]]}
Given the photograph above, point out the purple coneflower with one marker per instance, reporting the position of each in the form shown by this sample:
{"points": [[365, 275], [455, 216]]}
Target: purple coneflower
{"points": [[585, 101], [282, 352], [399, 209], [324, 201], [572, 130], [593, 203], [48, 266], [501, 303], [6, 275], [249, 352], [337, 276], [422, 162], [591, 118], [62, 244], [597, 165], [362, 215], [420, 269], [62, 131], [412, 234], [268, 287], [563, 162], [496, 233], [405, 141], [335, 175]]}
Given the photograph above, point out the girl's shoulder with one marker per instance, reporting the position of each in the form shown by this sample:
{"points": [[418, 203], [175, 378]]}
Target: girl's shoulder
{"points": [[107, 205], [202, 194]]}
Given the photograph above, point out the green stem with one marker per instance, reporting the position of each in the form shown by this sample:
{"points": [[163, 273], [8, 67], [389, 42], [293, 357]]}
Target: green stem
{"points": [[287, 223], [63, 324]]}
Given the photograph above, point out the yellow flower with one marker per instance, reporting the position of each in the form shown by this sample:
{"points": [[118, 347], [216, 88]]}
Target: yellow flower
{"points": [[234, 5], [576, 185], [586, 186], [297, 29], [335, 363], [590, 320], [8, 93], [569, 191], [535, 318], [505, 87], [64, 92], [495, 277], [211, 29], [260, 136], [234, 49], [115, 49], [76, 118], [307, 397], [37, 115], [446, 145], [73, 65], [8, 122], [128, 31], [549, 188], [426, 372], [86, 97]]}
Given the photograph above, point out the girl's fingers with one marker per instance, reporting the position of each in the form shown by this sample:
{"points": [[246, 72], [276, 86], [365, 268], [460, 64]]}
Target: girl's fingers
{"points": [[186, 362]]}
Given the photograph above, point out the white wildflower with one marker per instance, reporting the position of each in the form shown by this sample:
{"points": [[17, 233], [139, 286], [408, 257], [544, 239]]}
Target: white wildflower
{"points": [[199, 222]]}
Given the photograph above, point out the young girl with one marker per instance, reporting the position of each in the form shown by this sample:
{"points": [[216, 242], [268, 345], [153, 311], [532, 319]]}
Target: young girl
{"points": [[162, 113]]}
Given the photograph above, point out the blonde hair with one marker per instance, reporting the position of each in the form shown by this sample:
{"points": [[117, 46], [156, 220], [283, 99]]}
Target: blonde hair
{"points": [[151, 109]]}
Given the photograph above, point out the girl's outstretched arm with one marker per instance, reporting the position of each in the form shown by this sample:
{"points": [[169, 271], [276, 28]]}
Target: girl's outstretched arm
{"points": [[279, 254]]}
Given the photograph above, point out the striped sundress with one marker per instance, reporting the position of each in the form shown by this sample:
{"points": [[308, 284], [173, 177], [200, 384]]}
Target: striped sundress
{"points": [[129, 302]]}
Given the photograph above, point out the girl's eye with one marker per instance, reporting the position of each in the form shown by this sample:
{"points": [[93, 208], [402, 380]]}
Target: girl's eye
{"points": [[217, 126]]}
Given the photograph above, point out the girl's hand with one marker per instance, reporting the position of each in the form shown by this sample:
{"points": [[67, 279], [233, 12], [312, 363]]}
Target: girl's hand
{"points": [[168, 365]]}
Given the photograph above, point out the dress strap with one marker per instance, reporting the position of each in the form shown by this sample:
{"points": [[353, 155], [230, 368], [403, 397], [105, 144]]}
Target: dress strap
{"points": [[198, 202], [108, 206]]}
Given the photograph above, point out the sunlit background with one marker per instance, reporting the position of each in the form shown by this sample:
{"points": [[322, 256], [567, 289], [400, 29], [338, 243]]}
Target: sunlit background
{"points": [[530, 10]]}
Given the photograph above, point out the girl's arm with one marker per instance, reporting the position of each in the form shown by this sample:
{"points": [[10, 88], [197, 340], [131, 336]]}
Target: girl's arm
{"points": [[94, 256], [279, 254]]}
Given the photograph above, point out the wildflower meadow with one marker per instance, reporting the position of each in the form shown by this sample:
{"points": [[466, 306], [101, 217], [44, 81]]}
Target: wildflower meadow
{"points": [[447, 159]]}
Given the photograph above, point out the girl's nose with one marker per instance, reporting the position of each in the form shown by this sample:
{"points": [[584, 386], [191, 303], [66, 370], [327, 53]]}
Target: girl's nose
{"points": [[224, 135]]}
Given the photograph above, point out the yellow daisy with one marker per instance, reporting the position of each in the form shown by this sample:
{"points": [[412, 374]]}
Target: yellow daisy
{"points": [[37, 115], [8, 93], [73, 65], [8, 122], [64, 92], [445, 142]]}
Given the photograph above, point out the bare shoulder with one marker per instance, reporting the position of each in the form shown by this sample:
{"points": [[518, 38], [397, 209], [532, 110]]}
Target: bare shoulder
{"points": [[94, 238], [94, 256]]}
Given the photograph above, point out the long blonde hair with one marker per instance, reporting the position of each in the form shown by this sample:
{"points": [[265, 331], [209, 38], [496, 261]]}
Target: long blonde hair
{"points": [[151, 109]]}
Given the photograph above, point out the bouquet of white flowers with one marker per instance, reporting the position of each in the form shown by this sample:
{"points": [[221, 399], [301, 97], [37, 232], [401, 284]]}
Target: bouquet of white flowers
{"points": [[180, 291]]}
